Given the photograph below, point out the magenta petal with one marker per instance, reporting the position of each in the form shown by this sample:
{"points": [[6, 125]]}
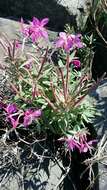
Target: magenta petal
{"points": [[78, 36], [72, 144], [17, 44], [27, 120], [37, 113], [76, 63], [31, 115], [63, 35], [14, 122], [67, 46], [44, 34], [85, 149], [34, 37], [59, 43], [35, 21], [78, 42], [11, 108], [44, 21], [79, 45], [92, 141]]}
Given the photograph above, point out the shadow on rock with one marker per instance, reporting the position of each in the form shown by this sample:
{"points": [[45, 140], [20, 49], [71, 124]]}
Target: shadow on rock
{"points": [[100, 97]]}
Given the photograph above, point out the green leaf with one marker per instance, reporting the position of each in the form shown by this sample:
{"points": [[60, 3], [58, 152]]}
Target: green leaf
{"points": [[41, 101], [95, 4], [60, 63], [46, 83], [16, 97], [71, 57]]}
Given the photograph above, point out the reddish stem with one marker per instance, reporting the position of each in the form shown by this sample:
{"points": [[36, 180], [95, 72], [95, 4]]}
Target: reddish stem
{"points": [[4, 46], [67, 75], [95, 84], [9, 53], [50, 103], [53, 91], [63, 83], [42, 64], [13, 50]]}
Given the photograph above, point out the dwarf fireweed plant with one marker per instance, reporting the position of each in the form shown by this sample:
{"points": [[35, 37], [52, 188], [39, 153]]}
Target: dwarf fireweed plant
{"points": [[48, 86]]}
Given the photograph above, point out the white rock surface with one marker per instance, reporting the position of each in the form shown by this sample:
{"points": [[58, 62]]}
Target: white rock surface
{"points": [[78, 8]]}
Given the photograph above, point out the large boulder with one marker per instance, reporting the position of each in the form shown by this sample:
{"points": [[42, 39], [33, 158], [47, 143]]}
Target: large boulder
{"points": [[80, 9], [11, 30], [98, 98], [59, 12]]}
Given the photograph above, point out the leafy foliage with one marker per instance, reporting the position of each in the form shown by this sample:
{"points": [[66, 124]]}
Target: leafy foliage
{"points": [[48, 86]]}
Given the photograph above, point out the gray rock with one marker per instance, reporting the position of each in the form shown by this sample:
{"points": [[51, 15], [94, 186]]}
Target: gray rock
{"points": [[11, 30], [99, 99], [59, 12], [20, 172], [46, 174], [80, 9]]}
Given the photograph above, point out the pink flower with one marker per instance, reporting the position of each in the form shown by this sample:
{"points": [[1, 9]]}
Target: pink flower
{"points": [[79, 143], [16, 117], [77, 41], [68, 41], [64, 41], [72, 143], [76, 63], [12, 114], [36, 29], [11, 108], [85, 146], [17, 44], [14, 121], [30, 116], [28, 64]]}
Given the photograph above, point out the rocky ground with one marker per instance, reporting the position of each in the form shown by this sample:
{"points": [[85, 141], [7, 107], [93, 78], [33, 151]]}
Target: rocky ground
{"points": [[99, 99]]}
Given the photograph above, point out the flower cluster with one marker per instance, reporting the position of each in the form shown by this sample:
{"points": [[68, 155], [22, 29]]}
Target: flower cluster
{"points": [[81, 144], [30, 116], [36, 29], [18, 117], [68, 41]]}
